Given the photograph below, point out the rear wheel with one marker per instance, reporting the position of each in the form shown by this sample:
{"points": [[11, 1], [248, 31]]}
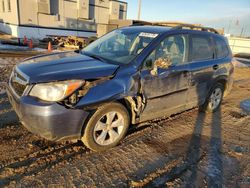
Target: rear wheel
{"points": [[106, 127], [214, 99]]}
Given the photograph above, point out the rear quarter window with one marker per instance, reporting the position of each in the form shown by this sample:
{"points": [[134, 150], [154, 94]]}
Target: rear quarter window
{"points": [[202, 48], [221, 47]]}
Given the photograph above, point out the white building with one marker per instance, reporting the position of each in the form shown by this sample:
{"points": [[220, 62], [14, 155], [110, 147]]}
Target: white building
{"points": [[41, 18]]}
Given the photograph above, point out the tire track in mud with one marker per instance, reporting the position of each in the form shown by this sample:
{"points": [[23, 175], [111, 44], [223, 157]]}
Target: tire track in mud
{"points": [[169, 172], [57, 155], [51, 155], [121, 158], [6, 65], [239, 132], [40, 160], [7, 115], [180, 167], [37, 160], [137, 130]]}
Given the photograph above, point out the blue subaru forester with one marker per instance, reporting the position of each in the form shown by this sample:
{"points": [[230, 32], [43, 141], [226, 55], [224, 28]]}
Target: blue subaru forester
{"points": [[130, 75]]}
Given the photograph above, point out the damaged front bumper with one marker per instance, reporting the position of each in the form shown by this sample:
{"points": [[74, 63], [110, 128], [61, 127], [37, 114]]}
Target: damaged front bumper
{"points": [[51, 121]]}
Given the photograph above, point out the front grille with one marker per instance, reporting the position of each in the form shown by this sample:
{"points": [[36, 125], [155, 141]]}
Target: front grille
{"points": [[18, 83], [18, 88]]}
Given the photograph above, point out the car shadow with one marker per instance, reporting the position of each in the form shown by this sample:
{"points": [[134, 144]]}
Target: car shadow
{"points": [[214, 168], [202, 164]]}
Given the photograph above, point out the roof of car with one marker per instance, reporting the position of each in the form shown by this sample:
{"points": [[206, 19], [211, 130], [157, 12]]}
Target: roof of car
{"points": [[162, 29], [150, 29]]}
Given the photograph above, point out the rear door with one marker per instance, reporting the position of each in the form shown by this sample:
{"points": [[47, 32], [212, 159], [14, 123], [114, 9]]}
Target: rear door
{"points": [[202, 67], [166, 92]]}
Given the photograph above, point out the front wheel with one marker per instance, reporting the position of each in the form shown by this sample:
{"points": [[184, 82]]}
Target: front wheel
{"points": [[214, 99], [106, 127]]}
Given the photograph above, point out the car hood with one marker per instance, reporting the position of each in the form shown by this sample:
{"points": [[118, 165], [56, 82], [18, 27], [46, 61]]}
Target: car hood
{"points": [[64, 66]]}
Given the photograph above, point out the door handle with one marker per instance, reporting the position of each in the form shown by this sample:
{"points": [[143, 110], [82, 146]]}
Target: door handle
{"points": [[215, 67]]}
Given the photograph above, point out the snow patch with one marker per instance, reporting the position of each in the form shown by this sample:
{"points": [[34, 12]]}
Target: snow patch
{"points": [[245, 105], [19, 48]]}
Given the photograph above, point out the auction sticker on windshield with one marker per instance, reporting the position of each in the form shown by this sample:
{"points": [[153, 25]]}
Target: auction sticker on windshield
{"points": [[150, 35]]}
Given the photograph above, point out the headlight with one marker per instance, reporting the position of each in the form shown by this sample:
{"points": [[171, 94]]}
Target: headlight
{"points": [[55, 91]]}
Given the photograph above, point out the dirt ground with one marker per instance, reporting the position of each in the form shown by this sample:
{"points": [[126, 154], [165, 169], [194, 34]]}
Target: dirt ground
{"points": [[190, 149]]}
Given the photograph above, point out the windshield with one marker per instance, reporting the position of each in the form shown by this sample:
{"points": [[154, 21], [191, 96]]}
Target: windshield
{"points": [[119, 46]]}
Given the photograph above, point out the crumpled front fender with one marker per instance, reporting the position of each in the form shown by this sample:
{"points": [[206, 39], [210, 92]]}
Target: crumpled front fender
{"points": [[108, 91]]}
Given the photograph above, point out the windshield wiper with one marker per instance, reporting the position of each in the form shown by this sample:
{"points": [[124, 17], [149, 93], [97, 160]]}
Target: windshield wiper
{"points": [[105, 60], [95, 56]]}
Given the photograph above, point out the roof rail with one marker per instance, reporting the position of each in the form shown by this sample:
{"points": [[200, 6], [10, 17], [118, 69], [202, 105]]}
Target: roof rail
{"points": [[177, 25], [193, 27]]}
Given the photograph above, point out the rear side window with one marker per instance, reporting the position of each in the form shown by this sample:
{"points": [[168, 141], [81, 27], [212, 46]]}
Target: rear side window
{"points": [[202, 48], [221, 47]]}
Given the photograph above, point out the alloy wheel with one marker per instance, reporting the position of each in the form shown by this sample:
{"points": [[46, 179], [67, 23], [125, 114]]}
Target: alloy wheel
{"points": [[109, 128], [215, 98]]}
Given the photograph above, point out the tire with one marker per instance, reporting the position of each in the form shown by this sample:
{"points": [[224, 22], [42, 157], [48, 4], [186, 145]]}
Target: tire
{"points": [[214, 99], [106, 127]]}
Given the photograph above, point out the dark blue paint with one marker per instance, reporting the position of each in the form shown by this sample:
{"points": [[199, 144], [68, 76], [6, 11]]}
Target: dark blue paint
{"points": [[173, 90], [65, 66]]}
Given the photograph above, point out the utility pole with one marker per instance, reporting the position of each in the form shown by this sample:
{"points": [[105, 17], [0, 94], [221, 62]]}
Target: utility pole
{"points": [[245, 32], [139, 10], [229, 26], [242, 30]]}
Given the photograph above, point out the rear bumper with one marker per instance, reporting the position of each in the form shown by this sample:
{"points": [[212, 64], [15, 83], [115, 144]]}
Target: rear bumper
{"points": [[51, 121]]}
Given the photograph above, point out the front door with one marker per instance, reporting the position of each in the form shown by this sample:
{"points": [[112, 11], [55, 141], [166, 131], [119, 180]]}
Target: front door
{"points": [[166, 90]]}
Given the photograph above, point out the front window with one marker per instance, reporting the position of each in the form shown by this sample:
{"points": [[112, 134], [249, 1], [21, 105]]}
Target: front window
{"points": [[171, 51], [120, 46]]}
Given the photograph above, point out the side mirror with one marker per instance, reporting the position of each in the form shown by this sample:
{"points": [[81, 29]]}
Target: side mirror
{"points": [[162, 63]]}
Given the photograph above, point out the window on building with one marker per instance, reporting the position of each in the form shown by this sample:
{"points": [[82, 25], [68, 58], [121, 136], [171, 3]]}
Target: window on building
{"points": [[54, 7], [3, 6], [9, 5], [202, 48]]}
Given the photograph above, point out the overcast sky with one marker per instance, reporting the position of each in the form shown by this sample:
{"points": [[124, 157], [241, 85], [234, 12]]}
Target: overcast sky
{"points": [[214, 13]]}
